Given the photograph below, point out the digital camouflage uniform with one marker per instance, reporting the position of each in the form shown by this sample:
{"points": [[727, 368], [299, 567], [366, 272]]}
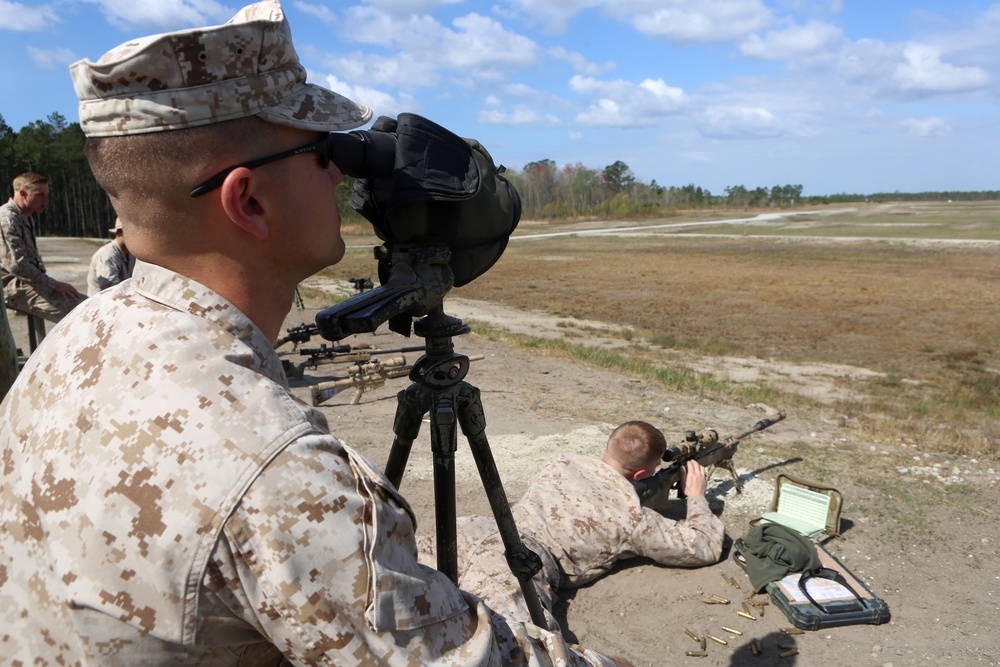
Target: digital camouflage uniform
{"points": [[167, 501], [581, 516], [26, 285], [109, 266], [8, 351]]}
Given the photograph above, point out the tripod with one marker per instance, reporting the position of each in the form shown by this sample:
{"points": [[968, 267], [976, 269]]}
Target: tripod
{"points": [[418, 278], [439, 387]]}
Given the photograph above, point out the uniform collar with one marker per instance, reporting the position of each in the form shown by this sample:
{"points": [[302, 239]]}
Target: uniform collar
{"points": [[187, 295]]}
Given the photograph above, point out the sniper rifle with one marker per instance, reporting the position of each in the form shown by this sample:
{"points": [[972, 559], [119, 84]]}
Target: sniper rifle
{"points": [[337, 354], [298, 334], [325, 354], [367, 376], [706, 449]]}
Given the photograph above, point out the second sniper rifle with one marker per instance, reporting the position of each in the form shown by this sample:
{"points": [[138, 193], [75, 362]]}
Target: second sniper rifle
{"points": [[298, 334], [365, 376], [706, 449], [337, 354]]}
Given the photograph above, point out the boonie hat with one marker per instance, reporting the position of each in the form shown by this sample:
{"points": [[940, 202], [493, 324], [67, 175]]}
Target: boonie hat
{"points": [[177, 80]]}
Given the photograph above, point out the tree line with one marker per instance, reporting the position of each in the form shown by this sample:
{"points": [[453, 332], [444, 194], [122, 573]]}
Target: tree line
{"points": [[79, 207], [54, 148], [579, 191]]}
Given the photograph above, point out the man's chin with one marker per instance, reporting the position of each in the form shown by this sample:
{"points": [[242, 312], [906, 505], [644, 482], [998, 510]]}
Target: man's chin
{"points": [[338, 252]]}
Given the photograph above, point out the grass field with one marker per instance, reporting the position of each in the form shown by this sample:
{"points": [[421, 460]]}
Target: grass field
{"points": [[923, 312], [940, 220]]}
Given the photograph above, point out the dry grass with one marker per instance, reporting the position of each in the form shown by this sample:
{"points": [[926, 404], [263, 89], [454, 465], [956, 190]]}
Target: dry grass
{"points": [[927, 316]]}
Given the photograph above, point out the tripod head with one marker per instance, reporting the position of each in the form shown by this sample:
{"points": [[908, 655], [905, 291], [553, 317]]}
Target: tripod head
{"points": [[415, 280]]}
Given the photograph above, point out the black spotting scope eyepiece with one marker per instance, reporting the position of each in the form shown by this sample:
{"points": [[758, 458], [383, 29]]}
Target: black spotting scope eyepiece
{"points": [[364, 153]]}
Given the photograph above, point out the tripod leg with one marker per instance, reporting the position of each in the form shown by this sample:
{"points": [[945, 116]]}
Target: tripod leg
{"points": [[410, 411], [412, 405], [523, 562], [444, 443]]}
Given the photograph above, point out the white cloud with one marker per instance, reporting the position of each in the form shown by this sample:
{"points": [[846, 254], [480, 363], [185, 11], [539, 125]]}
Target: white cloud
{"points": [[975, 38], [579, 62], [739, 122], [474, 41], [684, 21], [322, 12], [867, 60], [813, 39], [17, 17], [521, 90], [397, 71], [406, 7], [678, 20], [381, 103], [699, 157], [553, 14], [527, 95], [480, 40], [418, 52], [164, 14], [521, 116], [927, 127], [624, 104], [52, 58], [924, 72], [813, 6]]}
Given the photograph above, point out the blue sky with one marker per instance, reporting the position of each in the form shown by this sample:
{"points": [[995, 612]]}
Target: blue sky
{"points": [[853, 96]]}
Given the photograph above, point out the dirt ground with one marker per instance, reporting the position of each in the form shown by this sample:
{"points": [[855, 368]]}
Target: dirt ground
{"points": [[920, 529], [924, 537]]}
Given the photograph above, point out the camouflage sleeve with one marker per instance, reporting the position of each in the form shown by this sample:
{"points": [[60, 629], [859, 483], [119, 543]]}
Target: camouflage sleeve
{"points": [[693, 542], [105, 270], [16, 253], [320, 559]]}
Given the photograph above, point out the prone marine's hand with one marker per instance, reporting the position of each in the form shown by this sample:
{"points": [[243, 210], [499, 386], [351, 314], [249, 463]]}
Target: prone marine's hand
{"points": [[694, 479]]}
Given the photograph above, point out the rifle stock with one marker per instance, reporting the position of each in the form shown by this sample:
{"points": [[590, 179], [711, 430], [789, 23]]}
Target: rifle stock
{"points": [[708, 450]]}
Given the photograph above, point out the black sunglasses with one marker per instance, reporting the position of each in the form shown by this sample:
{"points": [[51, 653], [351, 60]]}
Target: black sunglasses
{"points": [[323, 149]]}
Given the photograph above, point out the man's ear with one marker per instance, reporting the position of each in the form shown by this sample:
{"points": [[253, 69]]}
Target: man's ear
{"points": [[242, 203]]}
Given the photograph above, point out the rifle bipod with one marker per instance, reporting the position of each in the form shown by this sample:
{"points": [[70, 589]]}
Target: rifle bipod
{"points": [[439, 388]]}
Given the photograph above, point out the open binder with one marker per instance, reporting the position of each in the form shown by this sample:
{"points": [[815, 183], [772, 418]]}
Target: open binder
{"points": [[808, 508]]}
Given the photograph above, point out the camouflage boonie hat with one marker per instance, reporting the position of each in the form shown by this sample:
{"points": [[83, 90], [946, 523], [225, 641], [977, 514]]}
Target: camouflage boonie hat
{"points": [[177, 80]]}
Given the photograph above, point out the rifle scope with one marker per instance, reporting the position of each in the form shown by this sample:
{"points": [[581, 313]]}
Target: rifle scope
{"points": [[693, 442]]}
